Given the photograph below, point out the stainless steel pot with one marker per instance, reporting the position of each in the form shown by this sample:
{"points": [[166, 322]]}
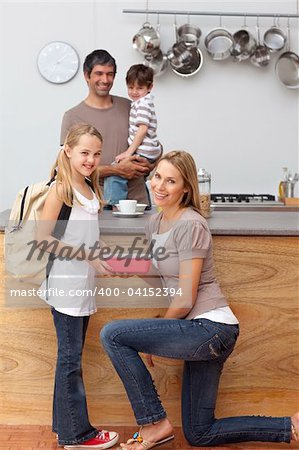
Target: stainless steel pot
{"points": [[179, 55], [261, 56], [287, 67], [158, 63], [275, 38], [193, 66], [219, 44], [189, 35], [147, 40], [244, 45]]}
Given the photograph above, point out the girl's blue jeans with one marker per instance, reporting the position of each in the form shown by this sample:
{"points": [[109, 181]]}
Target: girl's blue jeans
{"points": [[204, 346], [70, 417]]}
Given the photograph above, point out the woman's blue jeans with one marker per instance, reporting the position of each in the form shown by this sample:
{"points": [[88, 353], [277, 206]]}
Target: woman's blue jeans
{"points": [[204, 345], [70, 417]]}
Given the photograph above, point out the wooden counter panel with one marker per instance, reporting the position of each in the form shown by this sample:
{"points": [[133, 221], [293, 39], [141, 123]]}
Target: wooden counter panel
{"points": [[259, 275]]}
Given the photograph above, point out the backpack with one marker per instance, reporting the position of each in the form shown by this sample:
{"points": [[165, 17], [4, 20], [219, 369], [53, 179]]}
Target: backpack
{"points": [[20, 265]]}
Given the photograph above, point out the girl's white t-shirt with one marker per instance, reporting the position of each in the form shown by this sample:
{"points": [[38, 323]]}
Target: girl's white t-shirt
{"points": [[71, 283]]}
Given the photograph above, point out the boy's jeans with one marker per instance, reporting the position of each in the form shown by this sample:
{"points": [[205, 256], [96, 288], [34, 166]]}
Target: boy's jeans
{"points": [[115, 189]]}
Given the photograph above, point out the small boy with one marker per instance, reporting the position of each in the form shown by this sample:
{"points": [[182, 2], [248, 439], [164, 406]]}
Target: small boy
{"points": [[142, 138]]}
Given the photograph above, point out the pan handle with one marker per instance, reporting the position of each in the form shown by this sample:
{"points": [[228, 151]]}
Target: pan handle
{"points": [[289, 35], [175, 29]]}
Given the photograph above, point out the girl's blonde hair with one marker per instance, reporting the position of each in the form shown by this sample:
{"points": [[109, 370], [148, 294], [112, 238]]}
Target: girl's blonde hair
{"points": [[62, 167], [185, 164]]}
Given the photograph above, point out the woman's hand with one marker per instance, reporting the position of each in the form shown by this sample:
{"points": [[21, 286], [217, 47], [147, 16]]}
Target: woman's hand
{"points": [[101, 267]]}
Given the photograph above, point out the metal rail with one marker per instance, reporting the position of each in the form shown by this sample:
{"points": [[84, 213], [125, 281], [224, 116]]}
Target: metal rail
{"points": [[208, 13]]}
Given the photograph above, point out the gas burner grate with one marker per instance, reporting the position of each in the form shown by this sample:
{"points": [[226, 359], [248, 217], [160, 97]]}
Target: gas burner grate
{"points": [[242, 198]]}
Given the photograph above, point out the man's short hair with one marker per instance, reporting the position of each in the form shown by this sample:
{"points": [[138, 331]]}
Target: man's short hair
{"points": [[98, 57]]}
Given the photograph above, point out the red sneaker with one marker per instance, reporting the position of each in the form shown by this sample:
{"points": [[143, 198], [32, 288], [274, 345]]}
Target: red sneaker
{"points": [[104, 439]]}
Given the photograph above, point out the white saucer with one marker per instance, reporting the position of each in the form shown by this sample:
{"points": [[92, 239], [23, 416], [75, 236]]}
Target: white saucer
{"points": [[121, 214], [140, 207]]}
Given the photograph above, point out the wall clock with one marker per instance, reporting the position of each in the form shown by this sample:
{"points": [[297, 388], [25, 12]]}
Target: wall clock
{"points": [[58, 62]]}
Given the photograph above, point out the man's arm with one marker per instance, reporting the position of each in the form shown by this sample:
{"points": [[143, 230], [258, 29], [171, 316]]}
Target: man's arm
{"points": [[132, 167]]}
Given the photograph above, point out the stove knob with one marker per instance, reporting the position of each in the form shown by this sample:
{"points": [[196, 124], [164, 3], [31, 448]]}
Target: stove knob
{"points": [[239, 199], [223, 200], [231, 199], [215, 200], [247, 200]]}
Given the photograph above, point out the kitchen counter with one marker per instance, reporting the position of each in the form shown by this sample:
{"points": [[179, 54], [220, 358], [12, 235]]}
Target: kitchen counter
{"points": [[256, 261], [238, 223]]}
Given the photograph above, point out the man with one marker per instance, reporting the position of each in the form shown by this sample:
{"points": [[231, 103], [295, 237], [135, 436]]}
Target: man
{"points": [[110, 115]]}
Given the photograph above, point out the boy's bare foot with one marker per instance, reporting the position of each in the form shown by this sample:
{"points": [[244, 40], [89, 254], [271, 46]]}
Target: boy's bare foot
{"points": [[295, 427], [152, 433]]}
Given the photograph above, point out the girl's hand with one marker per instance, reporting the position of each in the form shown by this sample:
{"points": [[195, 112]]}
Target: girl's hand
{"points": [[101, 267]]}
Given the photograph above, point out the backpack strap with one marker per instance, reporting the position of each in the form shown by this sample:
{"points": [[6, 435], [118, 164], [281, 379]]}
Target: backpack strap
{"points": [[22, 206], [59, 230], [89, 182]]}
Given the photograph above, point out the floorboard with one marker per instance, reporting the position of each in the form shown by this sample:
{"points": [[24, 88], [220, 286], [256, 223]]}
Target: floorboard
{"points": [[38, 437]]}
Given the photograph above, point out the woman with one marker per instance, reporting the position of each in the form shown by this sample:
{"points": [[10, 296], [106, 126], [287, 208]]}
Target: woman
{"points": [[198, 327]]}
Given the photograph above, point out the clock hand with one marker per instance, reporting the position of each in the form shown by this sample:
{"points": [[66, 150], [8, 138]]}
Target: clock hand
{"points": [[62, 58], [58, 62]]}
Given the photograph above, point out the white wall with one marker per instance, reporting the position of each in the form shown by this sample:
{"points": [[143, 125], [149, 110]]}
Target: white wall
{"points": [[238, 121]]}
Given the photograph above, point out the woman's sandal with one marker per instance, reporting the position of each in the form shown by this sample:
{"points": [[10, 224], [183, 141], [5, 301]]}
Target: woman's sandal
{"points": [[137, 437], [295, 432]]}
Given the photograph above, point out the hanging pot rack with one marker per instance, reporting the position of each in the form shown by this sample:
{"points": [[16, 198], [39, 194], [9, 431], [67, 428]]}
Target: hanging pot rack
{"points": [[208, 13]]}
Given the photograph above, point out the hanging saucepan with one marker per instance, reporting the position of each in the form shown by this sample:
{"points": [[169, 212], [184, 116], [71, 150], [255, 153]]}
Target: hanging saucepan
{"points": [[219, 43], [193, 66], [179, 54], [244, 45], [275, 38], [147, 40], [158, 62], [261, 56], [287, 67], [189, 34]]}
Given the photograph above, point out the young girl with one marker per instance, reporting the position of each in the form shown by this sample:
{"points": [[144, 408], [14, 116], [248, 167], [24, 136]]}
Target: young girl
{"points": [[73, 280]]}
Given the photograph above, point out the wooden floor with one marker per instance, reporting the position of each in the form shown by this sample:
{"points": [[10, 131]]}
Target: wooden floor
{"points": [[40, 437]]}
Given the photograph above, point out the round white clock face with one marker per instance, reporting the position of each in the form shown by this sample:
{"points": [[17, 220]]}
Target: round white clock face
{"points": [[58, 62]]}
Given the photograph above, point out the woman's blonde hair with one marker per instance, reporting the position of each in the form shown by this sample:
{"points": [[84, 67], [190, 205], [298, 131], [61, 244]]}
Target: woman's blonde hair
{"points": [[62, 167], [185, 164]]}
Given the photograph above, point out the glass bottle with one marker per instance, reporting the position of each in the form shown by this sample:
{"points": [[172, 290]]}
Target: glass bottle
{"points": [[283, 184], [204, 184]]}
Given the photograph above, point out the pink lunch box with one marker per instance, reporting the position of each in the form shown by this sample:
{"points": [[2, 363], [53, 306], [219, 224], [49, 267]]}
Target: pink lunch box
{"points": [[134, 265]]}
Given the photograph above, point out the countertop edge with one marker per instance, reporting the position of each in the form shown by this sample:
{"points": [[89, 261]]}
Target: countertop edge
{"points": [[221, 223]]}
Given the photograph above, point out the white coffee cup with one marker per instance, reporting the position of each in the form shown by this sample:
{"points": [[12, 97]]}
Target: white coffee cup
{"points": [[127, 206]]}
